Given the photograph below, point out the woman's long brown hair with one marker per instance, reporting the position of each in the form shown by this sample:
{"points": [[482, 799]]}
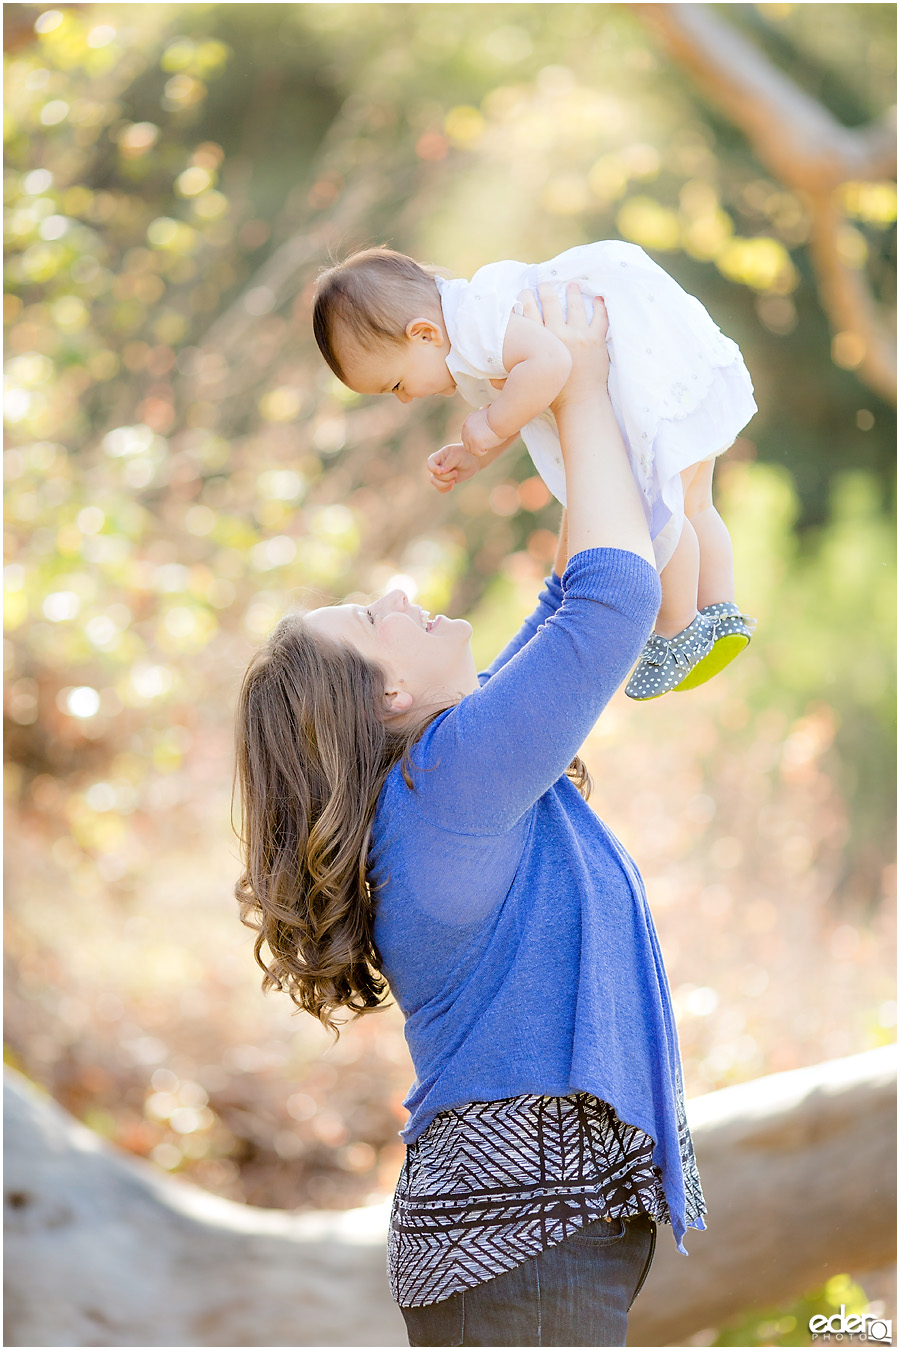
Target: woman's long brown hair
{"points": [[313, 750]]}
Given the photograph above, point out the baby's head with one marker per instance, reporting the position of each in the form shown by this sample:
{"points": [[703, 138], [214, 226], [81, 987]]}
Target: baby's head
{"points": [[378, 322]]}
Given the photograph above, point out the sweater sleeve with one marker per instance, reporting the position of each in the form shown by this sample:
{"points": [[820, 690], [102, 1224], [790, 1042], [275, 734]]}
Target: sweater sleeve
{"points": [[492, 756], [548, 603]]}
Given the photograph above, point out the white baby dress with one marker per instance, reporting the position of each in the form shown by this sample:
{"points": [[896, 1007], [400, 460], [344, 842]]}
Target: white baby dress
{"points": [[679, 387]]}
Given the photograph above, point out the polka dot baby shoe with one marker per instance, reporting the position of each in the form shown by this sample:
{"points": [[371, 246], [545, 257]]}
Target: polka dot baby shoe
{"points": [[666, 662], [733, 632]]}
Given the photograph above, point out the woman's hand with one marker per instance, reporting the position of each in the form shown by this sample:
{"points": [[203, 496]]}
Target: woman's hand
{"points": [[585, 341]]}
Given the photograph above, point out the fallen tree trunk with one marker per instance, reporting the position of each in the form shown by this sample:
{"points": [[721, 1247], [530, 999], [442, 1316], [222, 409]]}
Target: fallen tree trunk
{"points": [[799, 1171], [797, 1168], [103, 1249]]}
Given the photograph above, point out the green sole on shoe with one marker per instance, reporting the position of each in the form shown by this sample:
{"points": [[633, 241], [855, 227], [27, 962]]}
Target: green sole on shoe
{"points": [[723, 652]]}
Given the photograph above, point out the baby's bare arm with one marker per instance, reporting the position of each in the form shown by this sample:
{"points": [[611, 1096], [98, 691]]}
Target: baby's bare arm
{"points": [[538, 365]]}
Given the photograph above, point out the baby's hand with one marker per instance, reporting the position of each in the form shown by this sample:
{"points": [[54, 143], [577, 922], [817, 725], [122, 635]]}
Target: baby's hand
{"points": [[478, 438], [450, 465]]}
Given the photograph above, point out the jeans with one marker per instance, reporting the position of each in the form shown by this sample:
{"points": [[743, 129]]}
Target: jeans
{"points": [[576, 1293]]}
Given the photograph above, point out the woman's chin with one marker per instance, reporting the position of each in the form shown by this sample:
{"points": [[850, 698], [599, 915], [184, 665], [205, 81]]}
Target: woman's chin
{"points": [[449, 627]]}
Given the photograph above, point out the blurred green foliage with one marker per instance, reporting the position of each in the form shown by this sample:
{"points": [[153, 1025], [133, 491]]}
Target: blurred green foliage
{"points": [[175, 175], [829, 652], [182, 466], [790, 1325]]}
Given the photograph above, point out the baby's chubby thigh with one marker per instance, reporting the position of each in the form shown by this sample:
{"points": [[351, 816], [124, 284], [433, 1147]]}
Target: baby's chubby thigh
{"points": [[697, 484]]}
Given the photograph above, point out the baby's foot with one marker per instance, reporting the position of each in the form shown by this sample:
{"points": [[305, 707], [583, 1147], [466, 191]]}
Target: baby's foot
{"points": [[666, 662], [733, 633]]}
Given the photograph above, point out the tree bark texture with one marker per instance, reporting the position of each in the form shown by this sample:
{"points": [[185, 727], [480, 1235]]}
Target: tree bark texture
{"points": [[103, 1249], [798, 1171]]}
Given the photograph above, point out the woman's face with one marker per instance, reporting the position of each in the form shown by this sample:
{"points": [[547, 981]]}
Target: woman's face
{"points": [[427, 662]]}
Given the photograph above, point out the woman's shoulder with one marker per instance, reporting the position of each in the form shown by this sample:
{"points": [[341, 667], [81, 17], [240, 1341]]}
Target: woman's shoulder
{"points": [[405, 778]]}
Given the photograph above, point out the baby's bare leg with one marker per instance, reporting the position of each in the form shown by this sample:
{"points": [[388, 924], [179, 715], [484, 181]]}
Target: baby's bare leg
{"points": [[679, 585], [716, 559]]}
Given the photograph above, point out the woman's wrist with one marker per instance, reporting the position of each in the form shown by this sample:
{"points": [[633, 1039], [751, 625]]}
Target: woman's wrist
{"points": [[586, 400], [584, 383]]}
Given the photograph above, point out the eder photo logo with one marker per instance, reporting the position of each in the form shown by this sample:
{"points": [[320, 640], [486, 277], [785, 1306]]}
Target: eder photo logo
{"points": [[853, 1326]]}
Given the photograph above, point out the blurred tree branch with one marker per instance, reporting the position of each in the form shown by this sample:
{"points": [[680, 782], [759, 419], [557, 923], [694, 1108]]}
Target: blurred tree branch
{"points": [[805, 148], [18, 27], [286, 271]]}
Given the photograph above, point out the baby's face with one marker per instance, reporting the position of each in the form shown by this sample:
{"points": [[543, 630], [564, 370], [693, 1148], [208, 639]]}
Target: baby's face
{"points": [[414, 367]]}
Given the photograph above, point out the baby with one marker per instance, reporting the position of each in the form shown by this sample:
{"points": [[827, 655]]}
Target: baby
{"points": [[680, 391]]}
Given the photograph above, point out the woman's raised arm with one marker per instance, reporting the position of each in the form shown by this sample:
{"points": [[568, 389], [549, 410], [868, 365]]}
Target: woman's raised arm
{"points": [[605, 509], [504, 745]]}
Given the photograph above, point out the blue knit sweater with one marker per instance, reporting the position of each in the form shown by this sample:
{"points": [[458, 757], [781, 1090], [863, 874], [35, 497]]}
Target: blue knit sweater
{"points": [[512, 926]]}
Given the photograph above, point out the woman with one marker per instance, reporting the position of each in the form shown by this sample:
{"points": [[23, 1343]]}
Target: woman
{"points": [[408, 821]]}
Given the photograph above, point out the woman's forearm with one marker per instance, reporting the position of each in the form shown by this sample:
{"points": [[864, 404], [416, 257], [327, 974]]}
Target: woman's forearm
{"points": [[562, 547], [604, 504]]}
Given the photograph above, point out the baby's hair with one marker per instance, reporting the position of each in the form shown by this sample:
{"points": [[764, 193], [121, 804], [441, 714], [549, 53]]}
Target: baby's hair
{"points": [[371, 297]]}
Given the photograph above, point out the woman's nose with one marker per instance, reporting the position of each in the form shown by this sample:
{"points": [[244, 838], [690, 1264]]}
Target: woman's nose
{"points": [[396, 600]]}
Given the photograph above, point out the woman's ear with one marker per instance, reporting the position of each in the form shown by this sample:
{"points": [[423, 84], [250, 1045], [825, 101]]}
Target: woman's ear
{"points": [[398, 701], [424, 330]]}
